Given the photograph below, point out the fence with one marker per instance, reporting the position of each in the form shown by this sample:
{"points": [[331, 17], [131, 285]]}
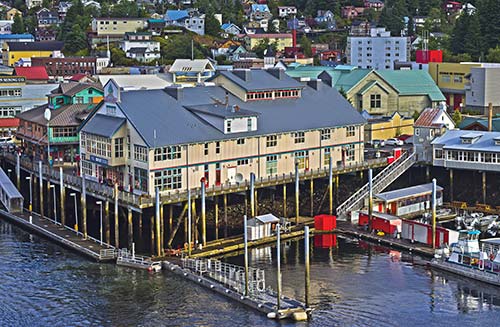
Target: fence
{"points": [[231, 276]]}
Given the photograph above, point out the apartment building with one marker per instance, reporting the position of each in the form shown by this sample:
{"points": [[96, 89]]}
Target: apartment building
{"points": [[379, 50]]}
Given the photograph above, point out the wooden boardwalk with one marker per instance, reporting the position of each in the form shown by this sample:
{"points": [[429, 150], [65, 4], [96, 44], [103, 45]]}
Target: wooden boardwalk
{"points": [[61, 235]]}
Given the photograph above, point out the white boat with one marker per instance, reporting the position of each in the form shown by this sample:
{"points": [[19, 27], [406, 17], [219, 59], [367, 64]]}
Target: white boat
{"points": [[472, 258], [130, 259]]}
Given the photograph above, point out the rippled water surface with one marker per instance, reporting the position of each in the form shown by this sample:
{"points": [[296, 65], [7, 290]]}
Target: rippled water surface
{"points": [[352, 285]]}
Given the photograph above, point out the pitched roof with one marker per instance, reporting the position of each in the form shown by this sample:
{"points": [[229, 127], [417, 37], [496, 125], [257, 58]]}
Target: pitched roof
{"points": [[452, 140], [72, 88], [188, 65], [176, 14], [104, 125], [269, 35], [260, 8], [427, 117], [68, 115], [222, 111], [467, 122], [258, 80], [36, 46], [406, 192], [411, 82], [174, 124], [35, 73]]}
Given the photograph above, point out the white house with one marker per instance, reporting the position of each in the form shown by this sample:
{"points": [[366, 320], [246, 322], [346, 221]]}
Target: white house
{"points": [[431, 123], [285, 11]]}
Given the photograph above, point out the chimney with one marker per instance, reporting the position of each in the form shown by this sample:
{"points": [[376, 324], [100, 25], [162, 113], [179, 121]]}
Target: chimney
{"points": [[175, 92], [315, 84], [490, 117], [276, 72], [243, 74]]}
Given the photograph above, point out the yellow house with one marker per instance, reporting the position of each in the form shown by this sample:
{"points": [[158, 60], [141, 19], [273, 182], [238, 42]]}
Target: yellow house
{"points": [[11, 13], [386, 127], [450, 78], [13, 51], [282, 40], [117, 26]]}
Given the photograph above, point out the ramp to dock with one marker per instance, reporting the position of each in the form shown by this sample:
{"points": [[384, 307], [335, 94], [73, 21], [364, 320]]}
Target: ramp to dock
{"points": [[62, 235]]}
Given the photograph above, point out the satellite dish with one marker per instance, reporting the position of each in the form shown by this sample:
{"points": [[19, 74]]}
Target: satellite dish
{"points": [[47, 114], [238, 177]]}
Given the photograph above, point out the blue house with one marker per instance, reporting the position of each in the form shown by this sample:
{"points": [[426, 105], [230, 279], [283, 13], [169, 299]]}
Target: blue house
{"points": [[231, 28]]}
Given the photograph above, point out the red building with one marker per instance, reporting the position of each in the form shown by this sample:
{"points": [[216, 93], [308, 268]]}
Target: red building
{"points": [[427, 56], [69, 66]]}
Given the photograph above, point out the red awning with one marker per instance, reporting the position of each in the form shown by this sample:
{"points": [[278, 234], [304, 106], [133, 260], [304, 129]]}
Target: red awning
{"points": [[9, 122]]}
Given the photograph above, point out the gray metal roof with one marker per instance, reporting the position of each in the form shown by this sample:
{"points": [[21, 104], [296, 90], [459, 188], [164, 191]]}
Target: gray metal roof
{"points": [[103, 125], [451, 140], [258, 80], [268, 219], [219, 110], [8, 186], [407, 192], [155, 110]]}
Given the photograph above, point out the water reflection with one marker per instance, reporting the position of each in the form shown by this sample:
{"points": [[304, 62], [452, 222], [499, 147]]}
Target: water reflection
{"points": [[352, 284]]}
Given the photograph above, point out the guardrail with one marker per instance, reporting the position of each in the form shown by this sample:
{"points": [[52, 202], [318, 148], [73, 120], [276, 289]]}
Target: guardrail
{"points": [[229, 275]]}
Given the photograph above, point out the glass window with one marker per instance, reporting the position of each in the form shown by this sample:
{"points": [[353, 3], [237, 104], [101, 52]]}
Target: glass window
{"points": [[228, 126], [205, 149], [272, 165], [168, 153], [119, 147], [242, 162], [217, 147], [299, 137], [169, 179], [375, 101], [140, 153], [240, 141], [271, 140], [326, 134], [350, 131], [301, 158]]}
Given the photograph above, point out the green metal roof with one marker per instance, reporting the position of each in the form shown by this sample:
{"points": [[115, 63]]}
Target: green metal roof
{"points": [[411, 82], [467, 121], [369, 85]]}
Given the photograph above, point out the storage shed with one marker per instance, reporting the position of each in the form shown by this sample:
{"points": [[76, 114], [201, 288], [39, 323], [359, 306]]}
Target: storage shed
{"points": [[261, 226]]}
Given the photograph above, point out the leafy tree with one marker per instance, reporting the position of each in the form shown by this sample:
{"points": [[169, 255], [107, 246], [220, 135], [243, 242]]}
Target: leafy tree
{"points": [[392, 16], [342, 92], [457, 117], [261, 48], [415, 115], [18, 25], [493, 54], [411, 26], [179, 46]]}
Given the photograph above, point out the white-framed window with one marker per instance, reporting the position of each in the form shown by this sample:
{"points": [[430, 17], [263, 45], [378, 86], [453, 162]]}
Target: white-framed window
{"points": [[240, 141], [168, 153], [326, 134], [228, 125], [326, 156], [350, 131], [242, 162], [205, 149], [301, 157], [299, 137], [140, 153], [169, 179], [119, 147], [97, 145], [349, 152], [271, 140], [272, 165], [375, 101]]}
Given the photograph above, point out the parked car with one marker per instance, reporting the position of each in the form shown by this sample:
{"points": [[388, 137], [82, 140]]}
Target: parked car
{"points": [[377, 143], [394, 142]]}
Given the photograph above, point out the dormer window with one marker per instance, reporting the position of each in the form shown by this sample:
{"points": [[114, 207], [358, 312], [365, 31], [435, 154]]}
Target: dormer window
{"points": [[470, 138], [228, 125], [497, 140]]}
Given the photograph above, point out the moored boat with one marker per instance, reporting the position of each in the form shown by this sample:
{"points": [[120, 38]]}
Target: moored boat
{"points": [[472, 258]]}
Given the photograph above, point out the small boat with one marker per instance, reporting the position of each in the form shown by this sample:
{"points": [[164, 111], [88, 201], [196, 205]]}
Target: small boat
{"points": [[469, 257]]}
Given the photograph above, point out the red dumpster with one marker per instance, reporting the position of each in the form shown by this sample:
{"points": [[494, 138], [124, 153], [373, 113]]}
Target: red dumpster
{"points": [[325, 222]]}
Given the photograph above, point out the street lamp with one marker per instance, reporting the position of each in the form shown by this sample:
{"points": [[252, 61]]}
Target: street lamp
{"points": [[9, 171], [76, 211], [100, 223], [31, 198], [53, 187]]}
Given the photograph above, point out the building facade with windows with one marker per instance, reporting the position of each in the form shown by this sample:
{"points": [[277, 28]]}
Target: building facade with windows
{"points": [[479, 151], [17, 96], [69, 104], [117, 26], [482, 88], [248, 121], [378, 51]]}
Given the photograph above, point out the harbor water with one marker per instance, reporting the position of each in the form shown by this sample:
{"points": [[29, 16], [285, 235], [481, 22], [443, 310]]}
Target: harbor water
{"points": [[352, 284]]}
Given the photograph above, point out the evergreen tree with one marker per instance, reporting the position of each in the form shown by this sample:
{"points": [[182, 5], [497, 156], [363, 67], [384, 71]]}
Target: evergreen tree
{"points": [[305, 44], [488, 12], [411, 26], [18, 25], [458, 34], [75, 40], [457, 117], [473, 43], [212, 26]]}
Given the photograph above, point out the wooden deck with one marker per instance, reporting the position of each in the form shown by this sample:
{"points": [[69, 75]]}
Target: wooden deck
{"points": [[61, 235]]}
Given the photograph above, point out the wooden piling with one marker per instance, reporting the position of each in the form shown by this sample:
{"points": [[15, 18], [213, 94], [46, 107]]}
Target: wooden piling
{"points": [[40, 184], [157, 223], [130, 228], [311, 198], [117, 231], [297, 190], [83, 202], [330, 185], [284, 201], [216, 213], [152, 230], [224, 197], [451, 185], [170, 218], [484, 186], [203, 214], [18, 171], [107, 232], [162, 229], [62, 196]]}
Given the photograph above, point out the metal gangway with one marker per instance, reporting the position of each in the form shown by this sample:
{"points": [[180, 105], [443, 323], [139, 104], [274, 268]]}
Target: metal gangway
{"points": [[380, 182], [10, 196], [232, 276]]}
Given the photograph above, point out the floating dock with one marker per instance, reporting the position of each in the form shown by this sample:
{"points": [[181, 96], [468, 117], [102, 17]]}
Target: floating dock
{"points": [[62, 235], [231, 285]]}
